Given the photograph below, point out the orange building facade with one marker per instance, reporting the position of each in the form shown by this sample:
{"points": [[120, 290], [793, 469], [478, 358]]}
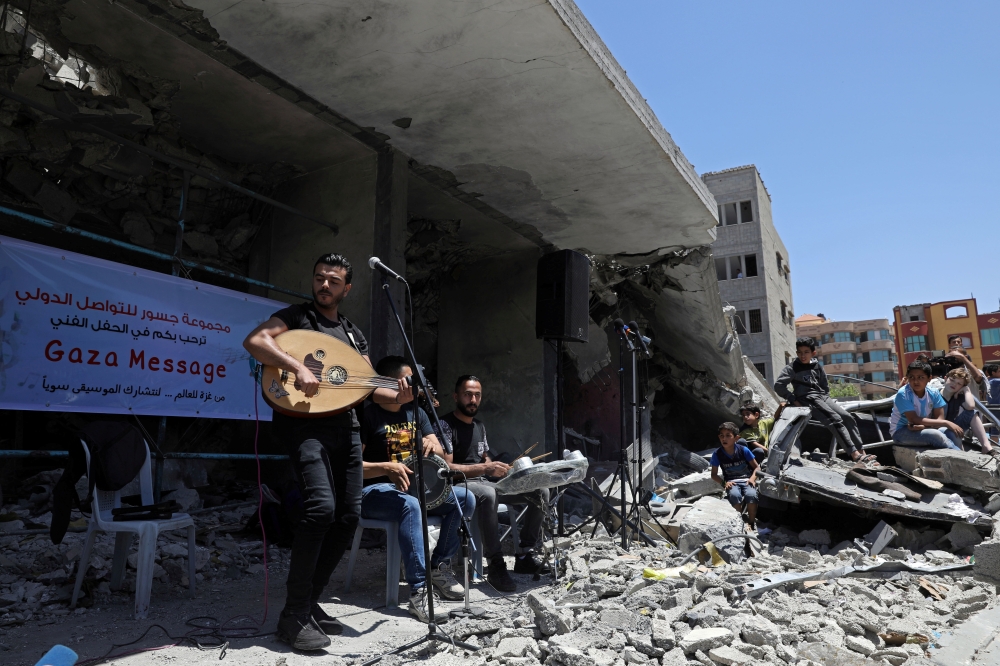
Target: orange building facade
{"points": [[924, 328]]}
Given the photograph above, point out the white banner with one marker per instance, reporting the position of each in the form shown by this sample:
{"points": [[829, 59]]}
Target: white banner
{"points": [[81, 334]]}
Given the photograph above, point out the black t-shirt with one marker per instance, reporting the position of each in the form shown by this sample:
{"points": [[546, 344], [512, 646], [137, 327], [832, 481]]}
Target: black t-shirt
{"points": [[306, 316], [388, 436], [468, 440]]}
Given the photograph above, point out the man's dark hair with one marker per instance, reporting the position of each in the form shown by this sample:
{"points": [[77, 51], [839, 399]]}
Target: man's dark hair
{"points": [[990, 368], [753, 409], [954, 336], [391, 365], [460, 382], [731, 427], [806, 342], [920, 366], [337, 261]]}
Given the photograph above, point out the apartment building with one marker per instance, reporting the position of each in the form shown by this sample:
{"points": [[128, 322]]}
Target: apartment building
{"points": [[925, 328], [863, 350], [752, 267]]}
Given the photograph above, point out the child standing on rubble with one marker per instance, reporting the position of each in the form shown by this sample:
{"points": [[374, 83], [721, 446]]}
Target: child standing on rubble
{"points": [[739, 470], [918, 413], [803, 383]]}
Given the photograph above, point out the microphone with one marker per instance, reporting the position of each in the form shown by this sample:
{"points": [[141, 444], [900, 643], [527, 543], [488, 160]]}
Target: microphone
{"points": [[623, 332], [376, 264], [642, 341], [449, 473]]}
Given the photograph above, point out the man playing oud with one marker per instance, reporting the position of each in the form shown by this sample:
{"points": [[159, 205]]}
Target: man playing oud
{"points": [[325, 453]]}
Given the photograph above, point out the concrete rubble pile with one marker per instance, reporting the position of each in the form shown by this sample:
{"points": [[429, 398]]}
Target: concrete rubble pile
{"points": [[37, 577], [606, 613]]}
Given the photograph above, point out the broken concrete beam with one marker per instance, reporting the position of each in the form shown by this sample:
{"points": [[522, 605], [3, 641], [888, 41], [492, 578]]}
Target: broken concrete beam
{"points": [[880, 537], [965, 469], [694, 485], [708, 519]]}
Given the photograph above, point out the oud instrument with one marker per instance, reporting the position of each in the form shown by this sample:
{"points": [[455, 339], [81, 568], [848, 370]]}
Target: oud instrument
{"points": [[345, 377]]}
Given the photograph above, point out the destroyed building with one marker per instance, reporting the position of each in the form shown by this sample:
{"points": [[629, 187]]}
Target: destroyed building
{"points": [[457, 143]]}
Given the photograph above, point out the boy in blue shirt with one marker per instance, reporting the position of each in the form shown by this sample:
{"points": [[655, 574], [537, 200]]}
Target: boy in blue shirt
{"points": [[918, 413], [739, 470], [992, 371]]}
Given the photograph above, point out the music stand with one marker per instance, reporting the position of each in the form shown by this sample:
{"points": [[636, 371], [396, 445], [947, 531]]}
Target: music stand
{"points": [[421, 383]]}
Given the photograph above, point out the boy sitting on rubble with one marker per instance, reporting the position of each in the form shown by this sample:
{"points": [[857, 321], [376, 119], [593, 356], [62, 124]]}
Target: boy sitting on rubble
{"points": [[918, 413], [756, 431], [739, 470], [803, 383], [961, 407]]}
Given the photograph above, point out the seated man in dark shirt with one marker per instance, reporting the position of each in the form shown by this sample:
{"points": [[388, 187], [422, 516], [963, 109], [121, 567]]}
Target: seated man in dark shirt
{"points": [[389, 433], [471, 456]]}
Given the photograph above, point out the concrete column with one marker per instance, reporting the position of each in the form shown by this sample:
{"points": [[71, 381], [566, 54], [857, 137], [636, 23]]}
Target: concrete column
{"points": [[389, 244]]}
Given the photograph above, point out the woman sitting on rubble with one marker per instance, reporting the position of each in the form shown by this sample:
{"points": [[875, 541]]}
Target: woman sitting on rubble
{"points": [[961, 408]]}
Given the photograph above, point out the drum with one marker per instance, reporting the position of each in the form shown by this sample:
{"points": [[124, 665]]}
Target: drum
{"points": [[437, 490], [525, 477]]}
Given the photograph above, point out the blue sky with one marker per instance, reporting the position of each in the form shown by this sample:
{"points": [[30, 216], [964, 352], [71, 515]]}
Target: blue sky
{"points": [[874, 126]]}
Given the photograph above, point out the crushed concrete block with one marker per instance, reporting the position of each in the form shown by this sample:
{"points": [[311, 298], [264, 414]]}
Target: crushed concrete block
{"points": [[815, 537], [644, 644], [694, 485], [786, 654], [675, 657], [706, 639], [517, 647], [821, 653], [894, 655], [797, 555], [663, 635], [965, 469], [758, 630], [570, 656], [993, 505], [906, 457], [728, 656], [859, 644], [633, 656], [987, 565], [963, 535], [710, 518]]}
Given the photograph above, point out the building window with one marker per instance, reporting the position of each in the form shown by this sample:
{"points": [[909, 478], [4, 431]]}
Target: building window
{"points": [[880, 377], [720, 217], [784, 311], [730, 211], [750, 262], [837, 336], [738, 320], [720, 269], [781, 268], [915, 343], [735, 268], [966, 339], [876, 356], [956, 312], [914, 318], [990, 336], [841, 357], [755, 323], [878, 334], [746, 214], [762, 369]]}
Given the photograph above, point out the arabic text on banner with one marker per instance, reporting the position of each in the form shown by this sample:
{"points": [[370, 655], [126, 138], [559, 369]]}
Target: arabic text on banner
{"points": [[86, 335]]}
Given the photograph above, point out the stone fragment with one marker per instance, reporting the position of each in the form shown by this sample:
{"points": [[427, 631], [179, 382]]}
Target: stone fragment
{"points": [[570, 656], [894, 655], [706, 639], [710, 518], [643, 642], [728, 656], [963, 535], [859, 644], [759, 630], [815, 537], [548, 620], [796, 555], [633, 656], [517, 647], [663, 635], [694, 485], [960, 468]]}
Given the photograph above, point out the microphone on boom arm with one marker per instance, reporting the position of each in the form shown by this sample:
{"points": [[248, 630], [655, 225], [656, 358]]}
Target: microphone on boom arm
{"points": [[376, 264], [634, 328], [623, 332]]}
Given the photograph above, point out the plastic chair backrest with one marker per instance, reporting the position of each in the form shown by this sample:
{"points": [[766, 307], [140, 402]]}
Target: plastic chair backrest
{"points": [[106, 500]]}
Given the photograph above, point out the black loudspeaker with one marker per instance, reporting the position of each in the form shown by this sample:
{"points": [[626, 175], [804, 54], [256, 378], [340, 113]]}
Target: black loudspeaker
{"points": [[562, 304]]}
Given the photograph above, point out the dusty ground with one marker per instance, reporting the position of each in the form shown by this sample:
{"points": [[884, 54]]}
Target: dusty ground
{"points": [[369, 627]]}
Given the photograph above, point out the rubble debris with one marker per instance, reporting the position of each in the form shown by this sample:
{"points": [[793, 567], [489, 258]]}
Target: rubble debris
{"points": [[965, 469], [709, 519]]}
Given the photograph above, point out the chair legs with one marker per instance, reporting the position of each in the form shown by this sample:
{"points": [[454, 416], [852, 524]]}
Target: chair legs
{"points": [[192, 553], [144, 569], [353, 558], [81, 569], [123, 542], [392, 559]]}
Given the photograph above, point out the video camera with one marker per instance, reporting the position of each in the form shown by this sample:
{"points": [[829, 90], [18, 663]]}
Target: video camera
{"points": [[941, 365]]}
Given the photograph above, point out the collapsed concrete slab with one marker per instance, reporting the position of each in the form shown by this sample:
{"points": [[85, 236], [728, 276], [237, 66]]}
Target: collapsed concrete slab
{"points": [[709, 519], [972, 471]]}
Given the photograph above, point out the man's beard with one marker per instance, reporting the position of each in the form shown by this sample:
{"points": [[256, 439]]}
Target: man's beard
{"points": [[335, 302], [468, 410]]}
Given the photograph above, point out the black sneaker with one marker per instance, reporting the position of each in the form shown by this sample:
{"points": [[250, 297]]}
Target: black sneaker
{"points": [[301, 632], [498, 577], [527, 564], [329, 625]]}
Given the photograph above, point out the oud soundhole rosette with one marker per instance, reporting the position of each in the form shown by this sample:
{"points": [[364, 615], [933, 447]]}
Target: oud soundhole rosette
{"points": [[336, 375], [319, 354]]}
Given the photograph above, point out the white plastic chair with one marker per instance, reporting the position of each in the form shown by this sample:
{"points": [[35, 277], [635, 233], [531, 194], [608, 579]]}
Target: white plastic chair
{"points": [[392, 555], [101, 520]]}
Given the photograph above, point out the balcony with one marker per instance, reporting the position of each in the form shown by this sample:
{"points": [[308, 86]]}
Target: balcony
{"points": [[841, 368], [834, 326], [878, 366], [872, 345], [837, 348]]}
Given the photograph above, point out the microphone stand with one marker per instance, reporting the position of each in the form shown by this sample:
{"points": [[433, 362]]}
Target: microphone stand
{"points": [[421, 383], [463, 528]]}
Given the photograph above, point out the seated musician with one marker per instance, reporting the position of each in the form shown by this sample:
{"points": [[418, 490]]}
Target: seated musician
{"points": [[387, 433], [471, 456]]}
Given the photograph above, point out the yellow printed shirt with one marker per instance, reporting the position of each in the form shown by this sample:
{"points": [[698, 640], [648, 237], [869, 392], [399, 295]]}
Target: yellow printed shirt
{"points": [[390, 436], [760, 434]]}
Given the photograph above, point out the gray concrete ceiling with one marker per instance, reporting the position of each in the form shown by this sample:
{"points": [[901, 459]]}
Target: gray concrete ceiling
{"points": [[520, 100]]}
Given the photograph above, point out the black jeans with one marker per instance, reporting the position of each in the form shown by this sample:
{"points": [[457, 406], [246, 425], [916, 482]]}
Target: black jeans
{"points": [[827, 411], [326, 456], [487, 501]]}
